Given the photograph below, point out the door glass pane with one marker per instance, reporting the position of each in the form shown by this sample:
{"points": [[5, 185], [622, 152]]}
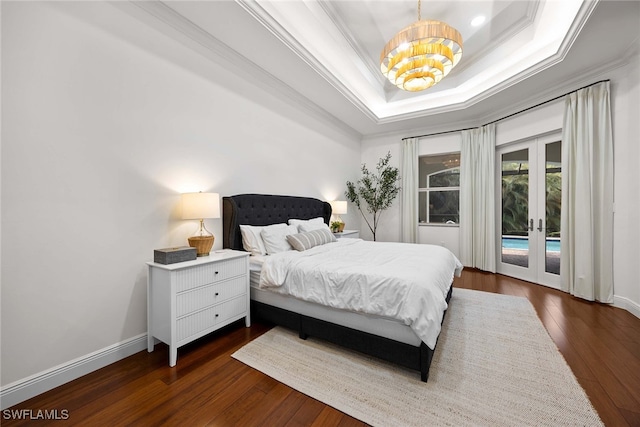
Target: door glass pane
{"points": [[515, 208], [553, 192]]}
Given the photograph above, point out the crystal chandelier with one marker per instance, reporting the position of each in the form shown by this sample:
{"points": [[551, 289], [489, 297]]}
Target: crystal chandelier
{"points": [[421, 54]]}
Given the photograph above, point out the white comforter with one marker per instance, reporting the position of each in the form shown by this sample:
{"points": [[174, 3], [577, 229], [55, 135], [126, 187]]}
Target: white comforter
{"points": [[407, 282]]}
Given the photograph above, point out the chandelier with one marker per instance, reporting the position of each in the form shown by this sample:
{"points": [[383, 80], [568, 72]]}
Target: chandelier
{"points": [[421, 54]]}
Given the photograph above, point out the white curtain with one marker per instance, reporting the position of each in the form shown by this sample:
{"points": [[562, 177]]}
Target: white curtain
{"points": [[587, 195], [409, 191], [477, 198]]}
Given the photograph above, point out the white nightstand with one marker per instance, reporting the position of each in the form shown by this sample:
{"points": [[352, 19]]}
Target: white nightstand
{"points": [[190, 299], [348, 234]]}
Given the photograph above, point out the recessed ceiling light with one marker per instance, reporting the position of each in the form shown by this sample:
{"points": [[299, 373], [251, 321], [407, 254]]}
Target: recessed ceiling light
{"points": [[477, 21]]}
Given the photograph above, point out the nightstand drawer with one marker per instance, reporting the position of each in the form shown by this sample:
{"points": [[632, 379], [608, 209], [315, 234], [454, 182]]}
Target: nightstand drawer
{"points": [[195, 299], [190, 278], [210, 317]]}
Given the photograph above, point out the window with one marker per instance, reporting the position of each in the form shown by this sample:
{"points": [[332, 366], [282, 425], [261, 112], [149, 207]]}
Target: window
{"points": [[439, 189]]}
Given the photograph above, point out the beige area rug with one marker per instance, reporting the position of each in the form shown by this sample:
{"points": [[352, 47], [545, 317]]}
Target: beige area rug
{"points": [[494, 365]]}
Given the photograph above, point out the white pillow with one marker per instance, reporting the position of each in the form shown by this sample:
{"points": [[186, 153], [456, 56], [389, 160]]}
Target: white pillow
{"points": [[308, 224], [252, 240], [311, 226], [275, 239]]}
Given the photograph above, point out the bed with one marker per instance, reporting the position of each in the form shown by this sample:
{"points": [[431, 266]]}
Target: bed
{"points": [[376, 334]]}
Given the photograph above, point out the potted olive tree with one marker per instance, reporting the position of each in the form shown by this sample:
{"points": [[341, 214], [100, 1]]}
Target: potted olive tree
{"points": [[375, 190]]}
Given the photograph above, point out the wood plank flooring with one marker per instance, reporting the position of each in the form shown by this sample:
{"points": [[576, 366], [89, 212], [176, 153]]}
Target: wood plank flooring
{"points": [[601, 344]]}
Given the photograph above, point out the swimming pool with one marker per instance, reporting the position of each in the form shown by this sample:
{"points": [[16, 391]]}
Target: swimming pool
{"points": [[522, 243]]}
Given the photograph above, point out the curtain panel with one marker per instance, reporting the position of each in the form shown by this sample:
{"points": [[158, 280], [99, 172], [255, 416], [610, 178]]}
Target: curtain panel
{"points": [[409, 193], [587, 195], [477, 198]]}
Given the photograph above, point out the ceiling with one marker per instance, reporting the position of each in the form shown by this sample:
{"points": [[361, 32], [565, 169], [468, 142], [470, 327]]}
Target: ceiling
{"points": [[324, 54]]}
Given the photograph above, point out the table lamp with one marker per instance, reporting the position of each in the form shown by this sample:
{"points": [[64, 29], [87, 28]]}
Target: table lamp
{"points": [[201, 206], [338, 207]]}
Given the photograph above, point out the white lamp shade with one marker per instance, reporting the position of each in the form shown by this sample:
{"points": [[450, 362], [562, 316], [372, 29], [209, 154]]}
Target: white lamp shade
{"points": [[338, 207], [200, 205]]}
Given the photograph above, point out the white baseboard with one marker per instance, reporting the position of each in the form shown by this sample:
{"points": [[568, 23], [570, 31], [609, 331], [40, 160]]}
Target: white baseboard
{"points": [[24, 389], [625, 303]]}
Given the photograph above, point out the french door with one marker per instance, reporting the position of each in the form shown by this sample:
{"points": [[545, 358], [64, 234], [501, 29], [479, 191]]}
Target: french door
{"points": [[528, 210]]}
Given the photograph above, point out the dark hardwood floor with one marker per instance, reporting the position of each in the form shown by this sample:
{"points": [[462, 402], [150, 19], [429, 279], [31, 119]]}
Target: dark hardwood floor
{"points": [[601, 344]]}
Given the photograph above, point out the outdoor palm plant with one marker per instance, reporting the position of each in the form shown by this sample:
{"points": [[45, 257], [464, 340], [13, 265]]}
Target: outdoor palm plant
{"points": [[515, 204]]}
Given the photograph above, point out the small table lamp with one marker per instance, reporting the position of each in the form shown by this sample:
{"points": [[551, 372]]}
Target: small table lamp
{"points": [[338, 207], [201, 206]]}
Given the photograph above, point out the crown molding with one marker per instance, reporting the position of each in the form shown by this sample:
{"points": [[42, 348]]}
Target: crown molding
{"points": [[220, 53], [370, 64], [567, 86], [265, 18], [260, 14], [520, 25]]}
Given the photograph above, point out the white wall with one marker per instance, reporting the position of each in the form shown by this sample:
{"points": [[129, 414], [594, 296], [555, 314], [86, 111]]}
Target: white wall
{"points": [[625, 99], [625, 106], [99, 137]]}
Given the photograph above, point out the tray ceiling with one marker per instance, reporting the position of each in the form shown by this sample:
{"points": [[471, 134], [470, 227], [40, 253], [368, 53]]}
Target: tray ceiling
{"points": [[326, 53]]}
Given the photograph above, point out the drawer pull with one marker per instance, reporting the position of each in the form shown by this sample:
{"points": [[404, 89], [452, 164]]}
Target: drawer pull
{"points": [[217, 315], [216, 272], [217, 294]]}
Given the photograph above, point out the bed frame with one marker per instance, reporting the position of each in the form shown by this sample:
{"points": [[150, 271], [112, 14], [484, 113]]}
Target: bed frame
{"points": [[261, 210]]}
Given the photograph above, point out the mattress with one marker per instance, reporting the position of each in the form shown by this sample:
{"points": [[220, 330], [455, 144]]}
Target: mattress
{"points": [[376, 325], [408, 283]]}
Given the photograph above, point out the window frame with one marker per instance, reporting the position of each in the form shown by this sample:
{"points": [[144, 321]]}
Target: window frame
{"points": [[427, 190]]}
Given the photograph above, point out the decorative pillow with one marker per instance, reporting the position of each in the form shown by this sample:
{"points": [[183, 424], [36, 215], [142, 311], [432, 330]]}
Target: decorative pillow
{"points": [[303, 241], [307, 224], [275, 239], [252, 240]]}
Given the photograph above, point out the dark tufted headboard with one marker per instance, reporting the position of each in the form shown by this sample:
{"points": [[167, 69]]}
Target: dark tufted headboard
{"points": [[265, 209]]}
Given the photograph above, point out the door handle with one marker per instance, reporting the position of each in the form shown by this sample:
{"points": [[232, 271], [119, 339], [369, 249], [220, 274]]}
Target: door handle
{"points": [[539, 225], [531, 224]]}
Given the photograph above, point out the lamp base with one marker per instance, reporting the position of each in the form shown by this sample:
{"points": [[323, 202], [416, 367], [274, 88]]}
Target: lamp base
{"points": [[203, 244]]}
